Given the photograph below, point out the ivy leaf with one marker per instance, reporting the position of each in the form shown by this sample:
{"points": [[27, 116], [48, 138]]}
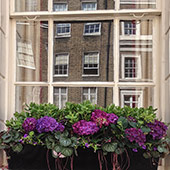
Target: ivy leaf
{"points": [[57, 148], [17, 148], [67, 151], [65, 142], [109, 147]]}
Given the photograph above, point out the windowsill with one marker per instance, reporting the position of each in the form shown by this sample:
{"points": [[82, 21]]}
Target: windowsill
{"points": [[60, 75], [92, 34], [62, 36], [89, 75]]}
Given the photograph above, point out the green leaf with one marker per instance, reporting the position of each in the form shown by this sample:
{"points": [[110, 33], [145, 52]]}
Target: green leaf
{"points": [[155, 154], [2, 147], [145, 129], [54, 154], [57, 148], [67, 151], [31, 133], [133, 124], [17, 148], [65, 142], [123, 121], [162, 149], [146, 155], [109, 147]]}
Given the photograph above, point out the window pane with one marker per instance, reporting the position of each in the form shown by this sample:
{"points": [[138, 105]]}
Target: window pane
{"points": [[136, 61], [28, 94], [90, 57], [136, 97], [32, 51], [92, 29], [60, 7], [31, 5], [101, 95], [137, 4]]}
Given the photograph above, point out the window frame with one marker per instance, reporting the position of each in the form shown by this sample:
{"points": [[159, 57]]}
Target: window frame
{"points": [[55, 3], [60, 94], [139, 70], [62, 35], [88, 2], [132, 92], [61, 75], [94, 33], [89, 90], [98, 68]]}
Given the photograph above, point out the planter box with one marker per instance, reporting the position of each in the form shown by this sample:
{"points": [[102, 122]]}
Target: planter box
{"points": [[38, 158]]}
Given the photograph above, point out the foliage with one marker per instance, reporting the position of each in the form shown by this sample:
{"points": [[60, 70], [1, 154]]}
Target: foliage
{"points": [[110, 129]]}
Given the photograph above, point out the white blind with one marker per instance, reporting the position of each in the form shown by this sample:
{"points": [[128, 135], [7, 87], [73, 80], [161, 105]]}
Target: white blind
{"points": [[91, 58], [61, 59]]}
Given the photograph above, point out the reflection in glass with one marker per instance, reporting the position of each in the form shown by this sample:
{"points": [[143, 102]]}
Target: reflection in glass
{"points": [[137, 4], [32, 51], [136, 61], [31, 5], [136, 97], [27, 94], [101, 96]]}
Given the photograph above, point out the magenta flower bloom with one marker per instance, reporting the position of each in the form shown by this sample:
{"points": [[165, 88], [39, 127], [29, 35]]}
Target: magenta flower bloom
{"points": [[136, 135], [60, 127], [83, 127], [29, 124], [158, 129], [46, 124], [102, 118]]}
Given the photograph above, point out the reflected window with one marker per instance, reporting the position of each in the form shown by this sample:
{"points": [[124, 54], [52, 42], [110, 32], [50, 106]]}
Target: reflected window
{"points": [[60, 7], [131, 98], [130, 28], [63, 30], [90, 93], [61, 64], [60, 96], [91, 64], [89, 6], [92, 29], [131, 66]]}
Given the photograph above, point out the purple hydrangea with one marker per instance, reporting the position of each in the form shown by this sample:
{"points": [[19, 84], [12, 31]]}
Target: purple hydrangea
{"points": [[83, 127], [102, 118], [29, 124], [136, 135], [132, 119], [158, 129], [46, 124], [60, 127]]}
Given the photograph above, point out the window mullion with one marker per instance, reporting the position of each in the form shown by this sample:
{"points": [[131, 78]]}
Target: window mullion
{"points": [[50, 5], [116, 61], [50, 60], [117, 4]]}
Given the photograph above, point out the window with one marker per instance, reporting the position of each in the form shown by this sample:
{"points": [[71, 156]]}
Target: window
{"points": [[90, 93], [31, 5], [131, 67], [91, 63], [63, 30], [130, 28], [137, 4], [61, 65], [92, 29], [89, 6], [60, 7], [131, 98], [60, 96]]}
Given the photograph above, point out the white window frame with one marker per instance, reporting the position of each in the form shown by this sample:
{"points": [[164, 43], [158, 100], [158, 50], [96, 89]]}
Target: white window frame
{"points": [[132, 92], [98, 55], [61, 35], [60, 3], [89, 93], [87, 2], [123, 28], [60, 94], [93, 33], [61, 75], [139, 71]]}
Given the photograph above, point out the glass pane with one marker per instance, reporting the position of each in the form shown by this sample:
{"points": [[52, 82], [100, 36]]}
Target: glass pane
{"points": [[98, 66], [136, 61], [136, 97], [103, 96], [28, 94], [32, 51], [31, 5], [137, 4], [74, 5]]}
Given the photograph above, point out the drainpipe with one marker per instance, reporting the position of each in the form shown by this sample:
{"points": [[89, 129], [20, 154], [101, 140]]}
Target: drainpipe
{"points": [[105, 4], [107, 62]]}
